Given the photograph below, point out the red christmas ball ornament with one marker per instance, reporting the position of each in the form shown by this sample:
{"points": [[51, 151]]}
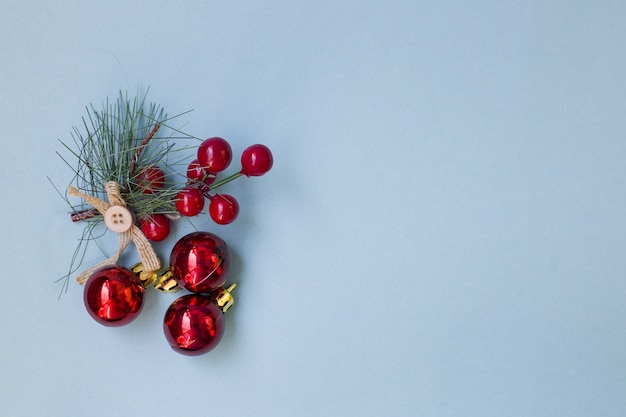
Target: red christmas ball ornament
{"points": [[113, 296], [193, 324], [189, 201], [215, 154], [156, 227], [256, 160], [223, 208], [200, 262]]}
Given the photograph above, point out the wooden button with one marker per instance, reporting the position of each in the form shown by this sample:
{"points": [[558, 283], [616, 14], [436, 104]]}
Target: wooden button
{"points": [[119, 219]]}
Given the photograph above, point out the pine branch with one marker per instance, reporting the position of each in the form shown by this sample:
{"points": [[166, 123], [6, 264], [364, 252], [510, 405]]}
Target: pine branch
{"points": [[117, 143]]}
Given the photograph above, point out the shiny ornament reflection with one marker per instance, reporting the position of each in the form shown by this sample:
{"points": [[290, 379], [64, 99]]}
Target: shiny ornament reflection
{"points": [[193, 325], [200, 262], [113, 296]]}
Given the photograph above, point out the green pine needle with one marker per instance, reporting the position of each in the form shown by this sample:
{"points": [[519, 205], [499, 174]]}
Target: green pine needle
{"points": [[117, 143]]}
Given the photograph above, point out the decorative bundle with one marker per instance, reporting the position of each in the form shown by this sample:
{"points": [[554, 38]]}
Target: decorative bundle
{"points": [[127, 177]]}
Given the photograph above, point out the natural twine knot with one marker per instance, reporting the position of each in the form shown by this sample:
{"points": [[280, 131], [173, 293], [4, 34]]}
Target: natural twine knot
{"points": [[118, 218]]}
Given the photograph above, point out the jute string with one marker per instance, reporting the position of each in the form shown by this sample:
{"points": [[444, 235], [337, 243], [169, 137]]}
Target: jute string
{"points": [[146, 252]]}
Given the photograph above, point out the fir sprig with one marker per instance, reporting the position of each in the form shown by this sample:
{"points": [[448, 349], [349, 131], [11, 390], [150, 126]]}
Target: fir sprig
{"points": [[118, 143]]}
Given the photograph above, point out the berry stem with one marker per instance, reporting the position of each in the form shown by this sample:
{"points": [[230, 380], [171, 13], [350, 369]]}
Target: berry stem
{"points": [[225, 180]]}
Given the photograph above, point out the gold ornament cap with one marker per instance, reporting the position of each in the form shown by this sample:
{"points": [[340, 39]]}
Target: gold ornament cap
{"points": [[223, 297], [146, 278], [166, 282]]}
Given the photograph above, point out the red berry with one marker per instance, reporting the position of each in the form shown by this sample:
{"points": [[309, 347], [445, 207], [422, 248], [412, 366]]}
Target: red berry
{"points": [[156, 227], [223, 208], [256, 160], [189, 201], [150, 179], [215, 155], [197, 173]]}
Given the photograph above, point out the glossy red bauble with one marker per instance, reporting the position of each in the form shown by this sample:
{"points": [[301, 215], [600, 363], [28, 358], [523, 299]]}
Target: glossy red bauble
{"points": [[223, 208], [256, 160], [151, 180], [189, 201], [214, 154], [156, 227], [113, 296], [200, 262], [193, 325]]}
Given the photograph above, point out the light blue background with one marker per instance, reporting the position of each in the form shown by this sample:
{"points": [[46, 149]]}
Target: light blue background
{"points": [[443, 232]]}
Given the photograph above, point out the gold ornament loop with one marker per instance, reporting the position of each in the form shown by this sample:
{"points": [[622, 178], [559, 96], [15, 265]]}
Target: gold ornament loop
{"points": [[116, 207]]}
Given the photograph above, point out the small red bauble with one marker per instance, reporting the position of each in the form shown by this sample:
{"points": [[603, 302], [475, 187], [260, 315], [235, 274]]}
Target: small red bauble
{"points": [[156, 227], [256, 160], [193, 324], [214, 154], [200, 262], [223, 208], [113, 296], [151, 180], [189, 201]]}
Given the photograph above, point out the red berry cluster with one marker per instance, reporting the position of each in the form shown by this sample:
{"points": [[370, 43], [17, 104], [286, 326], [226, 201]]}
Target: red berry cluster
{"points": [[214, 156]]}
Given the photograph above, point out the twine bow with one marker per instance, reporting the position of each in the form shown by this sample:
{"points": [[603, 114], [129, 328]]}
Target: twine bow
{"points": [[146, 252]]}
